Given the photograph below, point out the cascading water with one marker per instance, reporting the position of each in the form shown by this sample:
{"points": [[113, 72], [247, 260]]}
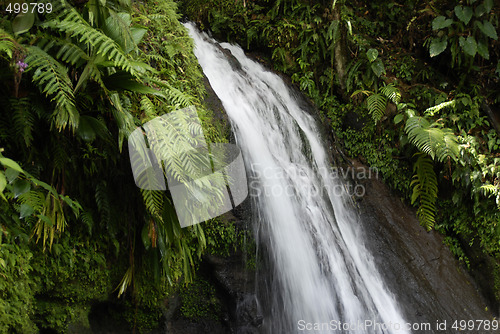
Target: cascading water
{"points": [[323, 278]]}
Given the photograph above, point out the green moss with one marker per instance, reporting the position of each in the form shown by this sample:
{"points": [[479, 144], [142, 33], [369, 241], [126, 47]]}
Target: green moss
{"points": [[198, 301]]}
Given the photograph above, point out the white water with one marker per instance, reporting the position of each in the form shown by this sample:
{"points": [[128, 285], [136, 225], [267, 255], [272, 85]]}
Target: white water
{"points": [[321, 270]]}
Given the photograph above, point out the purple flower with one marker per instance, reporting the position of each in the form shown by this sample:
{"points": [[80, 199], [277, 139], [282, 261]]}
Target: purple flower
{"points": [[21, 65]]}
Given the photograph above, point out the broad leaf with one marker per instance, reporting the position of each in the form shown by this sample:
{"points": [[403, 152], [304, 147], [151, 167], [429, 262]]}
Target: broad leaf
{"points": [[3, 182], [372, 54], [482, 49], [488, 5], [438, 45], [23, 22], [21, 187], [11, 164], [480, 10], [441, 22], [11, 174], [469, 45], [398, 118], [488, 29], [463, 13], [378, 67], [25, 210]]}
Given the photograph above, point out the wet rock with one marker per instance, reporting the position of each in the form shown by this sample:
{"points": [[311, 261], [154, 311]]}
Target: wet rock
{"points": [[418, 267]]}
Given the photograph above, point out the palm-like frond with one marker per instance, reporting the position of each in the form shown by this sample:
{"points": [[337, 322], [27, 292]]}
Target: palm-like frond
{"points": [[376, 104], [392, 93], [425, 190], [7, 43], [428, 138], [52, 79], [74, 25]]}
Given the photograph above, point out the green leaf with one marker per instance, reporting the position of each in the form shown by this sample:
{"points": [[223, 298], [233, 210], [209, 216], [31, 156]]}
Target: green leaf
{"points": [[463, 13], [378, 67], [21, 187], [480, 10], [482, 49], [469, 45], [372, 54], [138, 34], [3, 182], [398, 118], [11, 174], [441, 22], [488, 5], [488, 29], [25, 210], [11, 164], [146, 241], [437, 46], [23, 22]]}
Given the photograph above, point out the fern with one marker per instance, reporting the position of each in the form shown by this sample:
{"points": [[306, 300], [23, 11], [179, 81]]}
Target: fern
{"points": [[433, 110], [76, 26], [52, 79], [376, 104], [7, 43], [67, 51], [428, 138], [425, 190], [23, 120], [392, 93], [490, 189], [153, 200], [102, 201], [148, 108], [177, 98]]}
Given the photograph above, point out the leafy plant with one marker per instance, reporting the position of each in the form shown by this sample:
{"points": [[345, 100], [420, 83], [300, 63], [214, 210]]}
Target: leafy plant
{"points": [[466, 33]]}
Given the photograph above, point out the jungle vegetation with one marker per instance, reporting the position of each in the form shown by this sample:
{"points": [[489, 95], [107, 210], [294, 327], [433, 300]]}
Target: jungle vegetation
{"points": [[409, 87], [77, 77]]}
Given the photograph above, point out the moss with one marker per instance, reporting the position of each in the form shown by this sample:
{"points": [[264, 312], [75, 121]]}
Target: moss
{"points": [[198, 301]]}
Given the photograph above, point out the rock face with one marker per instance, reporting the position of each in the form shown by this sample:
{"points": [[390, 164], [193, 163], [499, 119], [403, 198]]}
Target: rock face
{"points": [[418, 267]]}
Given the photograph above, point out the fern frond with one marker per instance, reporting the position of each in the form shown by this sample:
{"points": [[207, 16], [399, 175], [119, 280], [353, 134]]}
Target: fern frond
{"points": [[148, 108], [428, 138], [64, 49], [376, 104], [153, 200], [392, 93], [7, 43], [76, 26], [23, 119], [425, 190], [177, 98], [433, 110], [53, 80], [102, 201]]}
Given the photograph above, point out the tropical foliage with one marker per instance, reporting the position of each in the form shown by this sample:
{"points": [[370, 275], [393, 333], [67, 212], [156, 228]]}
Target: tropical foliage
{"points": [[76, 81]]}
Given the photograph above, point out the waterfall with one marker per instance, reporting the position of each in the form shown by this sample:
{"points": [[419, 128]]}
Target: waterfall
{"points": [[323, 279]]}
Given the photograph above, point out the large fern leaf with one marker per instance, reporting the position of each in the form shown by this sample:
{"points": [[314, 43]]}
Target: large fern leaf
{"points": [[392, 93], [53, 80], [376, 104], [76, 26], [430, 139], [6, 43], [425, 190]]}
